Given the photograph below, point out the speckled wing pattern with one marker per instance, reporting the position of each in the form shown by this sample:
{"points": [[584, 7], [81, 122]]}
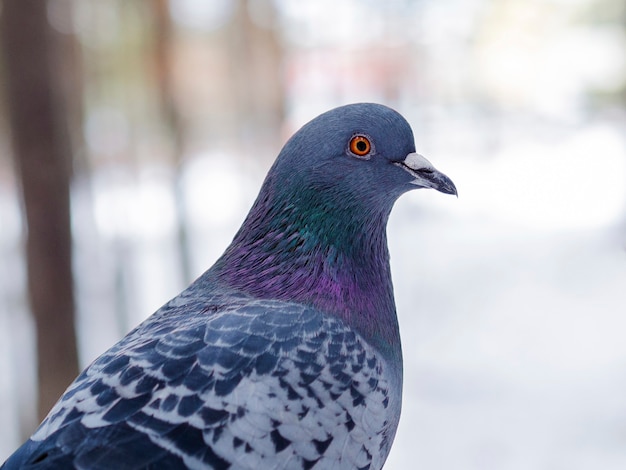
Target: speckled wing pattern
{"points": [[227, 383]]}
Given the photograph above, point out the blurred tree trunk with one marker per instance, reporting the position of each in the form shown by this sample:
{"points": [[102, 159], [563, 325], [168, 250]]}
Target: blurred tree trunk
{"points": [[41, 148], [163, 45], [256, 84]]}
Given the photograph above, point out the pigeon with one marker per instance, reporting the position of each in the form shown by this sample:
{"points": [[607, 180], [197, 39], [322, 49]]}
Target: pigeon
{"points": [[286, 353]]}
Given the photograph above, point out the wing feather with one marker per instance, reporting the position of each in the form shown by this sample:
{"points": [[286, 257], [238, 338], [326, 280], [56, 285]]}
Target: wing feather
{"points": [[257, 384]]}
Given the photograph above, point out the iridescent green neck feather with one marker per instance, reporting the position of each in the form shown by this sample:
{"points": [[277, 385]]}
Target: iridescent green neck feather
{"points": [[321, 248]]}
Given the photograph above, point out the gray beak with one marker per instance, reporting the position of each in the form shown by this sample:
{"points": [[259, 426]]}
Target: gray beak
{"points": [[426, 175]]}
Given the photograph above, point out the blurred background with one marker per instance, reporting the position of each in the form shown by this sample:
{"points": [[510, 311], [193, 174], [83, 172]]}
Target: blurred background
{"points": [[134, 136]]}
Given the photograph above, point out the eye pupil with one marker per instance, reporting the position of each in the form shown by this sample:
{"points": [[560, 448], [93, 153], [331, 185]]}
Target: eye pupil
{"points": [[361, 146]]}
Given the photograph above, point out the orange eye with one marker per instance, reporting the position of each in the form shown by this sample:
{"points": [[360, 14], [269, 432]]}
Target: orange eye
{"points": [[360, 145]]}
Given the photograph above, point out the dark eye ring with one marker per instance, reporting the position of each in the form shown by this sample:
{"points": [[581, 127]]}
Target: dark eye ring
{"points": [[360, 145]]}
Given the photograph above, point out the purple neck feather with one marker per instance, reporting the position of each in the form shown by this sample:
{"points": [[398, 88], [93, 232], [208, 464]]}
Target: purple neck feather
{"points": [[331, 256]]}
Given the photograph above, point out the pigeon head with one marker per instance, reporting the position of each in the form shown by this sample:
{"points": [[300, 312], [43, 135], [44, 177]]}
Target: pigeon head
{"points": [[361, 155], [317, 232]]}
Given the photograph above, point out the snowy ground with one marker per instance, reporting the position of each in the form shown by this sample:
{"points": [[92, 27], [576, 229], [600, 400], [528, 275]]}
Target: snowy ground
{"points": [[513, 343], [511, 299]]}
